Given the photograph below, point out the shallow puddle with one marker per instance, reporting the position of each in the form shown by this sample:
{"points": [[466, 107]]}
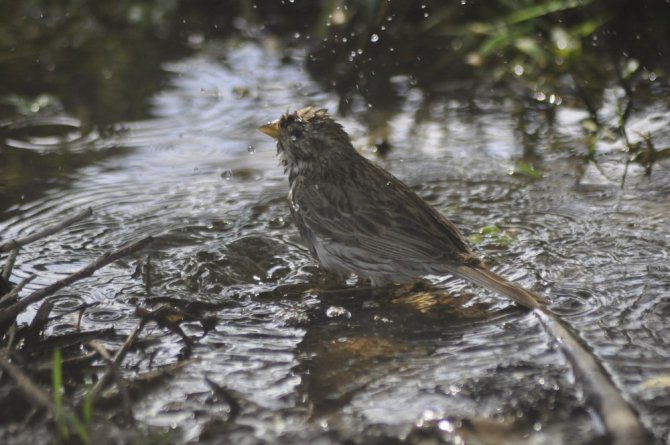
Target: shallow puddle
{"points": [[311, 360]]}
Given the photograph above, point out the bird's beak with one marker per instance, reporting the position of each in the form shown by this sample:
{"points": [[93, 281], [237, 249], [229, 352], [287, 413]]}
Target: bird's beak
{"points": [[271, 129]]}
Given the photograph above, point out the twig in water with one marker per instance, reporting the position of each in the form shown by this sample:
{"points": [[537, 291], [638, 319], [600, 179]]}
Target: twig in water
{"points": [[234, 407], [10, 313], [9, 264], [11, 295], [16, 243], [115, 375], [33, 393], [620, 421], [116, 362]]}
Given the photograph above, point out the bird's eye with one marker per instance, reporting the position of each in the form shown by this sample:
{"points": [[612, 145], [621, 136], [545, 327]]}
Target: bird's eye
{"points": [[295, 133]]}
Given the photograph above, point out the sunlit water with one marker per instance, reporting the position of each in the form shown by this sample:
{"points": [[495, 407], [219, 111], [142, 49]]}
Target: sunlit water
{"points": [[311, 365]]}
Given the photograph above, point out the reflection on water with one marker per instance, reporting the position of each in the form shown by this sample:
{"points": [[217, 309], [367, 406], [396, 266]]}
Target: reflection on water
{"points": [[346, 363]]}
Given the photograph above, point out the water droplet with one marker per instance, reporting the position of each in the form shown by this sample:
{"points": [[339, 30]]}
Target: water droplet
{"points": [[296, 35], [227, 174], [251, 149], [537, 426], [295, 206], [337, 311], [518, 70], [277, 223], [374, 38], [446, 426]]}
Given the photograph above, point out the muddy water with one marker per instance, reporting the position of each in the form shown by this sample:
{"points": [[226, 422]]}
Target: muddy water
{"points": [[311, 359]]}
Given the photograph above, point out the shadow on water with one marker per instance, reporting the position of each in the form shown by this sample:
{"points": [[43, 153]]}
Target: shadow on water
{"points": [[171, 150]]}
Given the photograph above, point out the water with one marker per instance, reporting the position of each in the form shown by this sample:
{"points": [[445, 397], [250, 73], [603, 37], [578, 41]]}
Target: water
{"points": [[309, 364]]}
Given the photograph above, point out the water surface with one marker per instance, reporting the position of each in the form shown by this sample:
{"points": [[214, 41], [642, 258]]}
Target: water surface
{"points": [[315, 360]]}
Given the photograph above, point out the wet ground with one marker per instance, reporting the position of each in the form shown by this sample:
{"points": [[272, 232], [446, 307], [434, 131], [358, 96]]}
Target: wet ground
{"points": [[311, 360]]}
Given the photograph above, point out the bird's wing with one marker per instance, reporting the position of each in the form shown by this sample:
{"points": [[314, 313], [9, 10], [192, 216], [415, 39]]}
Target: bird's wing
{"points": [[385, 218]]}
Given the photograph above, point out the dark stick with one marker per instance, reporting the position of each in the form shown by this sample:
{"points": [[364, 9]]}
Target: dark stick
{"points": [[10, 313], [15, 292], [116, 375], [118, 358], [16, 243], [621, 422], [33, 393], [9, 264]]}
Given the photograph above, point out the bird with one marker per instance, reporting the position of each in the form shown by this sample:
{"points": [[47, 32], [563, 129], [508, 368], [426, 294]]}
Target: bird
{"points": [[355, 217]]}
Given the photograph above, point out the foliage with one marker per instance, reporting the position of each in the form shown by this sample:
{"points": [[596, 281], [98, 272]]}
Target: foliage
{"points": [[64, 417]]}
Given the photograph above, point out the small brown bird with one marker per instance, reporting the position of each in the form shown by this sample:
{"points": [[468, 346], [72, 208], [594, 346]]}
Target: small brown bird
{"points": [[356, 217]]}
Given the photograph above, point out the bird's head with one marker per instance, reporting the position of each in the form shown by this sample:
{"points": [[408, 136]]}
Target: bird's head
{"points": [[308, 137]]}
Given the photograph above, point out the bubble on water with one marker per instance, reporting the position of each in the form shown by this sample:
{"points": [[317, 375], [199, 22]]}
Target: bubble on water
{"points": [[446, 426], [337, 312], [227, 174], [374, 38], [277, 223], [251, 149]]}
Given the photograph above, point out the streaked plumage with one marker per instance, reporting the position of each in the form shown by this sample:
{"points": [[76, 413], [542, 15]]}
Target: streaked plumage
{"points": [[356, 217]]}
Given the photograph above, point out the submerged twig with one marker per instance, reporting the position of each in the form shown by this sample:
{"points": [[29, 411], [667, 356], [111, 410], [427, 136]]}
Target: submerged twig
{"points": [[37, 397], [16, 243], [9, 263], [12, 311], [620, 420], [116, 361], [11, 295], [234, 406], [113, 371], [629, 148]]}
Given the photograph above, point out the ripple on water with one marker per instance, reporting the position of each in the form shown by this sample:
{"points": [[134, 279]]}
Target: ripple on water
{"points": [[68, 302], [44, 134], [223, 235], [102, 314]]}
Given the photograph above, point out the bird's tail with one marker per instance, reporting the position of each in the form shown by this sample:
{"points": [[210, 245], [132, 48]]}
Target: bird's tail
{"points": [[490, 280]]}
